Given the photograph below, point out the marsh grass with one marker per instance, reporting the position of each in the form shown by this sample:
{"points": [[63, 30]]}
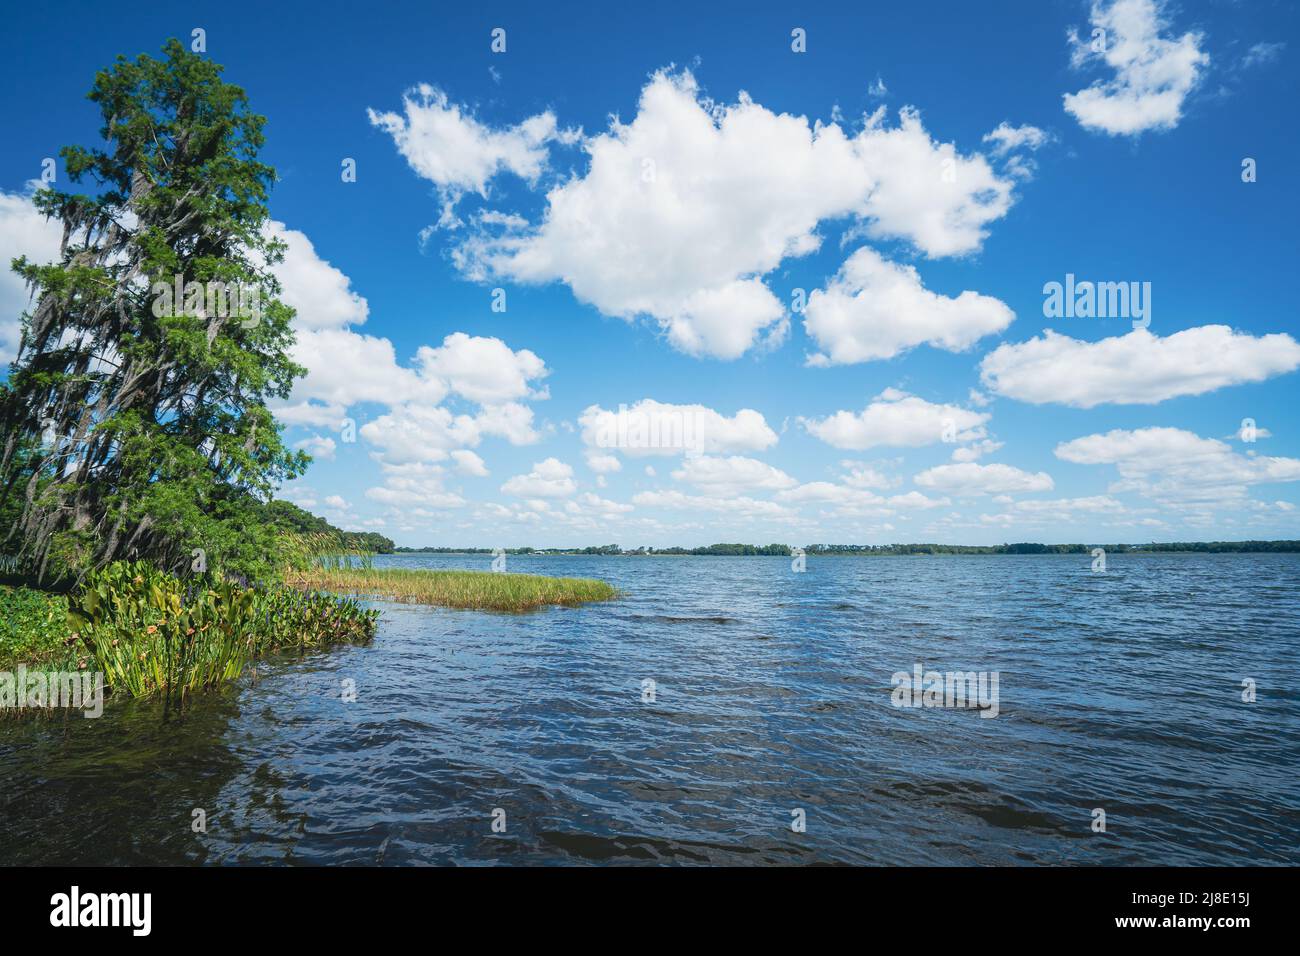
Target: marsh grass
{"points": [[477, 590], [321, 550]]}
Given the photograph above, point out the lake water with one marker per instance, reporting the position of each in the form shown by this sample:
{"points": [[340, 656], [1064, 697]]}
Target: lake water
{"points": [[772, 691]]}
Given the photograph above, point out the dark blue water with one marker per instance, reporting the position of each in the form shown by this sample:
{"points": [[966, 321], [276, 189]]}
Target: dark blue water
{"points": [[1118, 691]]}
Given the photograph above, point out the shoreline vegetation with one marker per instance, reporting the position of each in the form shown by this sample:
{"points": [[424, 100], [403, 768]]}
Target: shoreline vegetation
{"points": [[150, 632], [842, 550], [476, 590]]}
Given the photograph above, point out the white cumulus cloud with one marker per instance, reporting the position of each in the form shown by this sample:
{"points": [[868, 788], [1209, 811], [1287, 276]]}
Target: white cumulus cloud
{"points": [[1138, 368], [733, 475], [970, 478], [319, 447], [1007, 138], [414, 484], [446, 144], [23, 232], [468, 463], [738, 505], [1153, 72], [550, 478], [649, 427], [874, 309], [684, 210], [321, 294], [895, 418], [1173, 464], [482, 369]]}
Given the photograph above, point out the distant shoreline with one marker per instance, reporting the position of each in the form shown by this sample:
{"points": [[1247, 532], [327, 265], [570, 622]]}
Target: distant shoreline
{"points": [[892, 550]]}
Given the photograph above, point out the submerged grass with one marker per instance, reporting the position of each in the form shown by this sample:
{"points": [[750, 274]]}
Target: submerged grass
{"points": [[479, 590]]}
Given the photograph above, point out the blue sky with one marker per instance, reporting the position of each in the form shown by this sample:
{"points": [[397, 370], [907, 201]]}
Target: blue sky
{"points": [[916, 395]]}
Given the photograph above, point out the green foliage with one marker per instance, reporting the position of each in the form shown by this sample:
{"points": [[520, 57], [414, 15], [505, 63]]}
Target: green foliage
{"points": [[132, 431], [34, 631], [290, 518], [368, 541], [729, 550], [150, 633]]}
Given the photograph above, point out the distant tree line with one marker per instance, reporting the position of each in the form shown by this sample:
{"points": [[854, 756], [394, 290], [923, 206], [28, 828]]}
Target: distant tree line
{"points": [[726, 550], [404, 550], [1031, 547], [1024, 547]]}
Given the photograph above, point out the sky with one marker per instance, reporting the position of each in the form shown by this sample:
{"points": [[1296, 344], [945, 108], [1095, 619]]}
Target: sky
{"points": [[793, 273]]}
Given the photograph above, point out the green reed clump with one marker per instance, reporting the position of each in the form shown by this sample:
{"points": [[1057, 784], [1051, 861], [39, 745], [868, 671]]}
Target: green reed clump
{"points": [[482, 590], [149, 632], [321, 549]]}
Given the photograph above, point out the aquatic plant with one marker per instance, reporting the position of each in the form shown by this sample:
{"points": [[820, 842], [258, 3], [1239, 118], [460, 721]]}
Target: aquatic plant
{"points": [[149, 632], [482, 590], [34, 631]]}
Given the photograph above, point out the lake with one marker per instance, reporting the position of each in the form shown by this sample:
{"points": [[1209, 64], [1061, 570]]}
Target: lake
{"points": [[769, 734]]}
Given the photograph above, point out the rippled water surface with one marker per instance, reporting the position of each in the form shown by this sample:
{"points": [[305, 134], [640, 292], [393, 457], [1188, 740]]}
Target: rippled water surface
{"points": [[1120, 691]]}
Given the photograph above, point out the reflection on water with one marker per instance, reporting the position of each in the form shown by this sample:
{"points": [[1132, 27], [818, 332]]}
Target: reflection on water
{"points": [[1119, 691]]}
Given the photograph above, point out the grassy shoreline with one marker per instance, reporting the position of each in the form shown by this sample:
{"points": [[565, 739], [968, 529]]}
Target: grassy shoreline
{"points": [[469, 590], [35, 629]]}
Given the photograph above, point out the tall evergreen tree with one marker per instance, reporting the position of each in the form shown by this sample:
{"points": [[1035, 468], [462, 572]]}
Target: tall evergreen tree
{"points": [[133, 425]]}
